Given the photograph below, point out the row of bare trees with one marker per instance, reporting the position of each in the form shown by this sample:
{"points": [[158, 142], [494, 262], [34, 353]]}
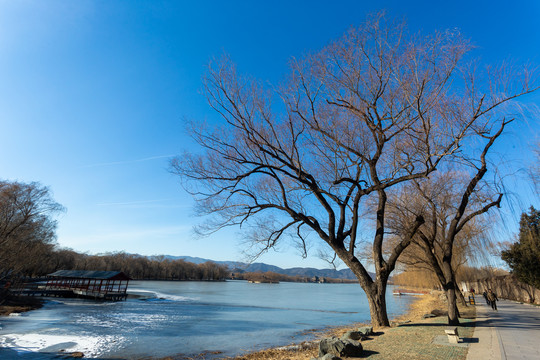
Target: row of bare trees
{"points": [[137, 267], [422, 277], [382, 137], [270, 276], [28, 244], [46, 260]]}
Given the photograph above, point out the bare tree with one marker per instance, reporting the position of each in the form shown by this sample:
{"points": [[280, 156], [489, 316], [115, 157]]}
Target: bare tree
{"points": [[454, 205], [27, 227], [370, 112]]}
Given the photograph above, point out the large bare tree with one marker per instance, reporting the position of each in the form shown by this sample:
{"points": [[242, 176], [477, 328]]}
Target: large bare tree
{"points": [[370, 112]]}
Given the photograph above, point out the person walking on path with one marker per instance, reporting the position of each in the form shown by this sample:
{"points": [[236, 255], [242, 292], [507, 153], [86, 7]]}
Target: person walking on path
{"points": [[486, 298], [492, 298]]}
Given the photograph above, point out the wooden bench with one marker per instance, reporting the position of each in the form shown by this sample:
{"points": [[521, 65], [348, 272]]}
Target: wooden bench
{"points": [[453, 336]]}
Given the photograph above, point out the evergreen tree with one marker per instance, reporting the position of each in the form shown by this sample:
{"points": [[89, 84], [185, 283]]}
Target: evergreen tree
{"points": [[523, 257]]}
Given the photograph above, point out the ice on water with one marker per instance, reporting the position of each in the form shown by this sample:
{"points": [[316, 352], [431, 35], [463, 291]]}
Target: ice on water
{"points": [[199, 316], [91, 346]]}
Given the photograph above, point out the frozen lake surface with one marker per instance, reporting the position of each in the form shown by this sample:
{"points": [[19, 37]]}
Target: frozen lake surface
{"points": [[188, 318]]}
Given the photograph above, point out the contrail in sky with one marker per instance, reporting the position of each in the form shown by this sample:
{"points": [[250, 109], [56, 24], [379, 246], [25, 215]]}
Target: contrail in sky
{"points": [[127, 161], [158, 203], [133, 202]]}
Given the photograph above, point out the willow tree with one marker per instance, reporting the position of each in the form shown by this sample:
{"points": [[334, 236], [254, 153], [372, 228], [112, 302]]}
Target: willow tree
{"points": [[455, 205], [370, 112]]}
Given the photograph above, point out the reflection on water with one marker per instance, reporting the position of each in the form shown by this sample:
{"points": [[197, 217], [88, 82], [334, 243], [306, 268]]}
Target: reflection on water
{"points": [[167, 318]]}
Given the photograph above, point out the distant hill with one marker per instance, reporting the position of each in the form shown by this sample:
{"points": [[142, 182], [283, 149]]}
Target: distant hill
{"points": [[198, 260], [236, 266]]}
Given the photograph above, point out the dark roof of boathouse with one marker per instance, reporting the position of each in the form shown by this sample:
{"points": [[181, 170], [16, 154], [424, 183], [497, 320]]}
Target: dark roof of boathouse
{"points": [[90, 274]]}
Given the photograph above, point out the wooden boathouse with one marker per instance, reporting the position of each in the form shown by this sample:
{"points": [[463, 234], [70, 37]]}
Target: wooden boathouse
{"points": [[102, 285]]}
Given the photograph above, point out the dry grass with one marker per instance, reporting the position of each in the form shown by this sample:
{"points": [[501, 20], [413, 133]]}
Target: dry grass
{"points": [[424, 305], [413, 337], [305, 351], [19, 304]]}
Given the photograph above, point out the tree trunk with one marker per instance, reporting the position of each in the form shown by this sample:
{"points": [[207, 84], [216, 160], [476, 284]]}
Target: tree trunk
{"points": [[453, 313], [377, 305], [375, 289], [450, 287]]}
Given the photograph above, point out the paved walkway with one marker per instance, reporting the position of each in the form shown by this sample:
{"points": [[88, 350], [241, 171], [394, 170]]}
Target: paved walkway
{"points": [[512, 332]]}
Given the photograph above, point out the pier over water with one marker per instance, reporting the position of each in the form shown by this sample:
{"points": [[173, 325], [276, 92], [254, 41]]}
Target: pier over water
{"points": [[99, 285]]}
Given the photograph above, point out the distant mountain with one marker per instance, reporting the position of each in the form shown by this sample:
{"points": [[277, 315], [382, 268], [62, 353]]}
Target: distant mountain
{"points": [[198, 260], [236, 266], [191, 259]]}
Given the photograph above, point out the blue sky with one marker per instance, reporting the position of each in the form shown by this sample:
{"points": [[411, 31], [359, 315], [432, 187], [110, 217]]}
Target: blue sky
{"points": [[93, 95]]}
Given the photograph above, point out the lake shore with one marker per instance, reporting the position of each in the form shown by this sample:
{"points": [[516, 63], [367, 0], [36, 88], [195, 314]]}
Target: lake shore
{"points": [[18, 304], [225, 319], [393, 342], [409, 337]]}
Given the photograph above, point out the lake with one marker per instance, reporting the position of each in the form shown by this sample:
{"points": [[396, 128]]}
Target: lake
{"points": [[171, 318]]}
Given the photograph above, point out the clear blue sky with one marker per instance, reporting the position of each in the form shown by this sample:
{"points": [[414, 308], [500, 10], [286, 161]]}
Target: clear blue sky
{"points": [[93, 95]]}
